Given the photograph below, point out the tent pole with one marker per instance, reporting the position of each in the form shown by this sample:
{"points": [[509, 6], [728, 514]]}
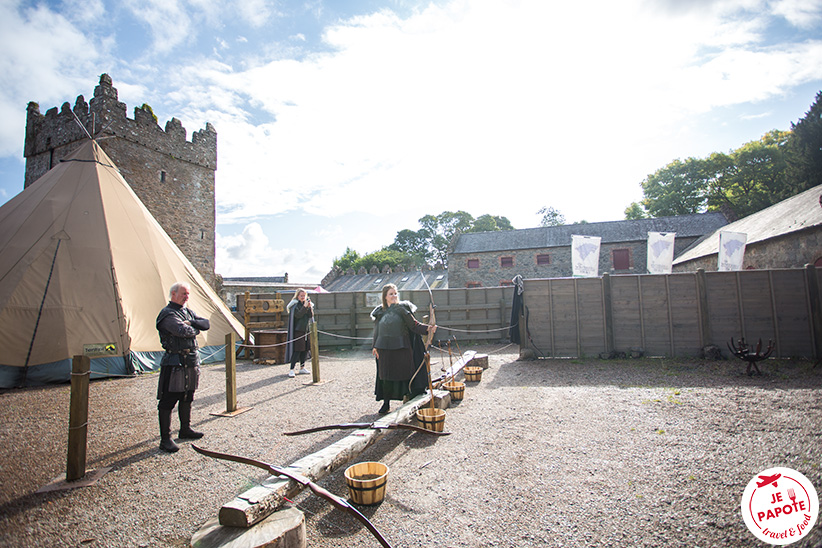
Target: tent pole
{"points": [[40, 312]]}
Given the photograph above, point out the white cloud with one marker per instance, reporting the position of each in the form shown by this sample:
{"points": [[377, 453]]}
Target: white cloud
{"points": [[466, 101], [250, 253], [86, 12], [168, 20], [46, 59], [256, 12], [804, 14]]}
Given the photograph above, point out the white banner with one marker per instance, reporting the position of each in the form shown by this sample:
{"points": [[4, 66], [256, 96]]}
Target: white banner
{"points": [[731, 250], [585, 256], [660, 252]]}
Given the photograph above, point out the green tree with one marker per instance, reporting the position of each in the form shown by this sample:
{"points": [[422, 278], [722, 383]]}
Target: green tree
{"points": [[679, 188], [804, 150], [635, 211], [748, 179], [347, 260], [442, 228], [490, 223], [551, 217], [428, 245], [413, 243], [384, 257]]}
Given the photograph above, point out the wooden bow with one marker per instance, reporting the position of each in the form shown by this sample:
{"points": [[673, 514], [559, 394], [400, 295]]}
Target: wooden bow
{"points": [[432, 317], [432, 321], [338, 502], [374, 425]]}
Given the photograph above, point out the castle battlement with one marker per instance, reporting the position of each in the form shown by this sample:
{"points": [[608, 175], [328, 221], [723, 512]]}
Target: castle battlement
{"points": [[106, 116]]}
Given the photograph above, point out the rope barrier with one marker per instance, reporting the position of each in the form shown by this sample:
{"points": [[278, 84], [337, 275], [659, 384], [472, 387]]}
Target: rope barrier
{"points": [[438, 328], [344, 336], [475, 330], [220, 348], [271, 345]]}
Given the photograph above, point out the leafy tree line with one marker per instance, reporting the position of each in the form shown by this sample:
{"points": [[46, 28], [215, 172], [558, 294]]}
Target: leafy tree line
{"points": [[758, 174], [429, 245]]}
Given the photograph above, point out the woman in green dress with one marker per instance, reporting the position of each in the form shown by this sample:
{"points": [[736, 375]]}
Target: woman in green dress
{"points": [[398, 348]]}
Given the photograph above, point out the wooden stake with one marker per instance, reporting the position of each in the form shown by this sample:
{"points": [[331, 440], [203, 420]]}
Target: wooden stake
{"points": [[78, 418], [428, 373], [230, 374], [315, 352], [231, 409]]}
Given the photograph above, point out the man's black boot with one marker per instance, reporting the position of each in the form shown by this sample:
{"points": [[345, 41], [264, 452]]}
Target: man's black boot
{"points": [[186, 433], [166, 443]]}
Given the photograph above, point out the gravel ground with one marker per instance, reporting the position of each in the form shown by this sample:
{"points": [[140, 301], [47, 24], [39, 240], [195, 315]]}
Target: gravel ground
{"points": [[644, 452]]}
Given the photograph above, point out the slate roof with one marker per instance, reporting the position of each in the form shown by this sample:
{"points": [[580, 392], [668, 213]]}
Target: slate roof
{"points": [[437, 279], [253, 280], [695, 225], [796, 213]]}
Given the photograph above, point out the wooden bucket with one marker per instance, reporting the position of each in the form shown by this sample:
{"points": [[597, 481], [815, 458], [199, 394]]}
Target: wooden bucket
{"points": [[456, 388], [473, 374], [431, 419], [366, 482]]}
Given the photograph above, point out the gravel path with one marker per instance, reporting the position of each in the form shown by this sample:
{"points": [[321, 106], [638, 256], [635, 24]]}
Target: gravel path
{"points": [[542, 453]]}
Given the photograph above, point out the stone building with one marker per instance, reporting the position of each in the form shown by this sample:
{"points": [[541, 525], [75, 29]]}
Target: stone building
{"points": [[785, 235], [488, 259], [173, 177]]}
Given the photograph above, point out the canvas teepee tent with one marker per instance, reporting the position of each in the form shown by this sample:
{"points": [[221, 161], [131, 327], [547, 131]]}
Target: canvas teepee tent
{"points": [[85, 269]]}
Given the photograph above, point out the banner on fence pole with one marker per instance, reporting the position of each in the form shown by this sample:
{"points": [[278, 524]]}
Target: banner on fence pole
{"points": [[585, 256], [731, 250], [660, 252]]}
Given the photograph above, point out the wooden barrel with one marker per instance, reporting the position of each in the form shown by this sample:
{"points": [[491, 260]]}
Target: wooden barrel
{"points": [[431, 419], [456, 388], [366, 482], [473, 374]]}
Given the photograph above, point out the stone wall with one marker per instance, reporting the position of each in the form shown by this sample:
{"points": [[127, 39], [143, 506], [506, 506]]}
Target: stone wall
{"points": [[491, 272], [793, 250], [173, 177]]}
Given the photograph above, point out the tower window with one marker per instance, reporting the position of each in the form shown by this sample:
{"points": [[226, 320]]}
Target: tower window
{"points": [[162, 176]]}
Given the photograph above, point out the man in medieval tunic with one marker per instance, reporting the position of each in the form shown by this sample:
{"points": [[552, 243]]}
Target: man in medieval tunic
{"points": [[180, 365]]}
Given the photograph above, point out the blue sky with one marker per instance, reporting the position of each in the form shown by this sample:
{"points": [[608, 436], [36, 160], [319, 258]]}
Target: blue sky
{"points": [[342, 122]]}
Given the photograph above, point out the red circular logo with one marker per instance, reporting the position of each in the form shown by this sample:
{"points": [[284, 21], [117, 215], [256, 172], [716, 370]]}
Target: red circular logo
{"points": [[780, 506]]}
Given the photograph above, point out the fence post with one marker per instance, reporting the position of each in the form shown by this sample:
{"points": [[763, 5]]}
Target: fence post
{"points": [[352, 319], [315, 352], [702, 302], [816, 309], [230, 374], [247, 319], [78, 418], [608, 312], [502, 320]]}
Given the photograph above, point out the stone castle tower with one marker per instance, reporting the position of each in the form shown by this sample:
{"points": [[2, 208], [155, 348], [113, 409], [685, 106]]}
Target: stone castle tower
{"points": [[173, 177]]}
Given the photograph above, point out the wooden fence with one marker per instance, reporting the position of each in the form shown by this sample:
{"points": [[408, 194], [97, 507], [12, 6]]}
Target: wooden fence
{"points": [[663, 315], [479, 315], [675, 314]]}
